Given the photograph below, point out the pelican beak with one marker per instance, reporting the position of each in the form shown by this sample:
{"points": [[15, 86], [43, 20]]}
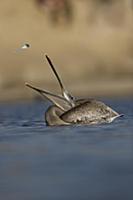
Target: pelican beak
{"points": [[59, 101], [65, 93]]}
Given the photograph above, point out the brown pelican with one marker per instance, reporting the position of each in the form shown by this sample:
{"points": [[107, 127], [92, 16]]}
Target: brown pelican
{"points": [[67, 110]]}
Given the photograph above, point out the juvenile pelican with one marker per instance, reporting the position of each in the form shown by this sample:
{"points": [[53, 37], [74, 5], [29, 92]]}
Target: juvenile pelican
{"points": [[67, 110]]}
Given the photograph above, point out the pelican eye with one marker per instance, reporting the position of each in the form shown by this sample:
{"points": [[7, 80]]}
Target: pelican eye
{"points": [[71, 97]]}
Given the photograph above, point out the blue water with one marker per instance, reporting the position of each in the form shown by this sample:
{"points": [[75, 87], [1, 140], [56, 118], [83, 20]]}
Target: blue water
{"points": [[65, 163]]}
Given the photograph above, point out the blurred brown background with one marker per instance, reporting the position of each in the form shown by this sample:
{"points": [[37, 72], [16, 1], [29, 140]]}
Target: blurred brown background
{"points": [[90, 42]]}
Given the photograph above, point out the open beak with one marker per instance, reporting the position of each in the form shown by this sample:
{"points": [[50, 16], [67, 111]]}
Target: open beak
{"points": [[64, 92], [59, 101]]}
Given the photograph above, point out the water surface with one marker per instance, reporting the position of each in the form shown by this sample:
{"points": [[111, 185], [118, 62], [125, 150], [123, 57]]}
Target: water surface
{"points": [[65, 163]]}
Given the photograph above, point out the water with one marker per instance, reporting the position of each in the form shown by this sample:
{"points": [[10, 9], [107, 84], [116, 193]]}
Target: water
{"points": [[65, 163]]}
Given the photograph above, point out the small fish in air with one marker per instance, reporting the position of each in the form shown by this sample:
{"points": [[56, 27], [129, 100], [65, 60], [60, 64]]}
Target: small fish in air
{"points": [[24, 47]]}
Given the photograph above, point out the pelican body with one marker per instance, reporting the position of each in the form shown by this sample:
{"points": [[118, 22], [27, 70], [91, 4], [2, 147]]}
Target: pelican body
{"points": [[68, 110]]}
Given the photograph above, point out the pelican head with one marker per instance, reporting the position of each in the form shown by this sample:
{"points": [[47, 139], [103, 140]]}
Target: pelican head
{"points": [[53, 113], [61, 103]]}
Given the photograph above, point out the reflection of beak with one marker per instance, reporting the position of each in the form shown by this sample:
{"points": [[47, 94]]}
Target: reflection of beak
{"points": [[56, 99]]}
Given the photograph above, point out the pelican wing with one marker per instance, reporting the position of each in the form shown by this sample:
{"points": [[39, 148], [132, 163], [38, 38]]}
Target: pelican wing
{"points": [[90, 112]]}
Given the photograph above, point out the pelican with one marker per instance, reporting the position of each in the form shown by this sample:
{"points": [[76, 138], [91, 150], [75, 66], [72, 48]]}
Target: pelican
{"points": [[68, 110]]}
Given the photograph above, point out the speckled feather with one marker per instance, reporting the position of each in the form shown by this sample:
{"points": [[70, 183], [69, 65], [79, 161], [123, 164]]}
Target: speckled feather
{"points": [[90, 112]]}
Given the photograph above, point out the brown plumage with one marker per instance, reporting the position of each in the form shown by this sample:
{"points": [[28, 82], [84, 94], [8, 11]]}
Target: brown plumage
{"points": [[67, 110]]}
